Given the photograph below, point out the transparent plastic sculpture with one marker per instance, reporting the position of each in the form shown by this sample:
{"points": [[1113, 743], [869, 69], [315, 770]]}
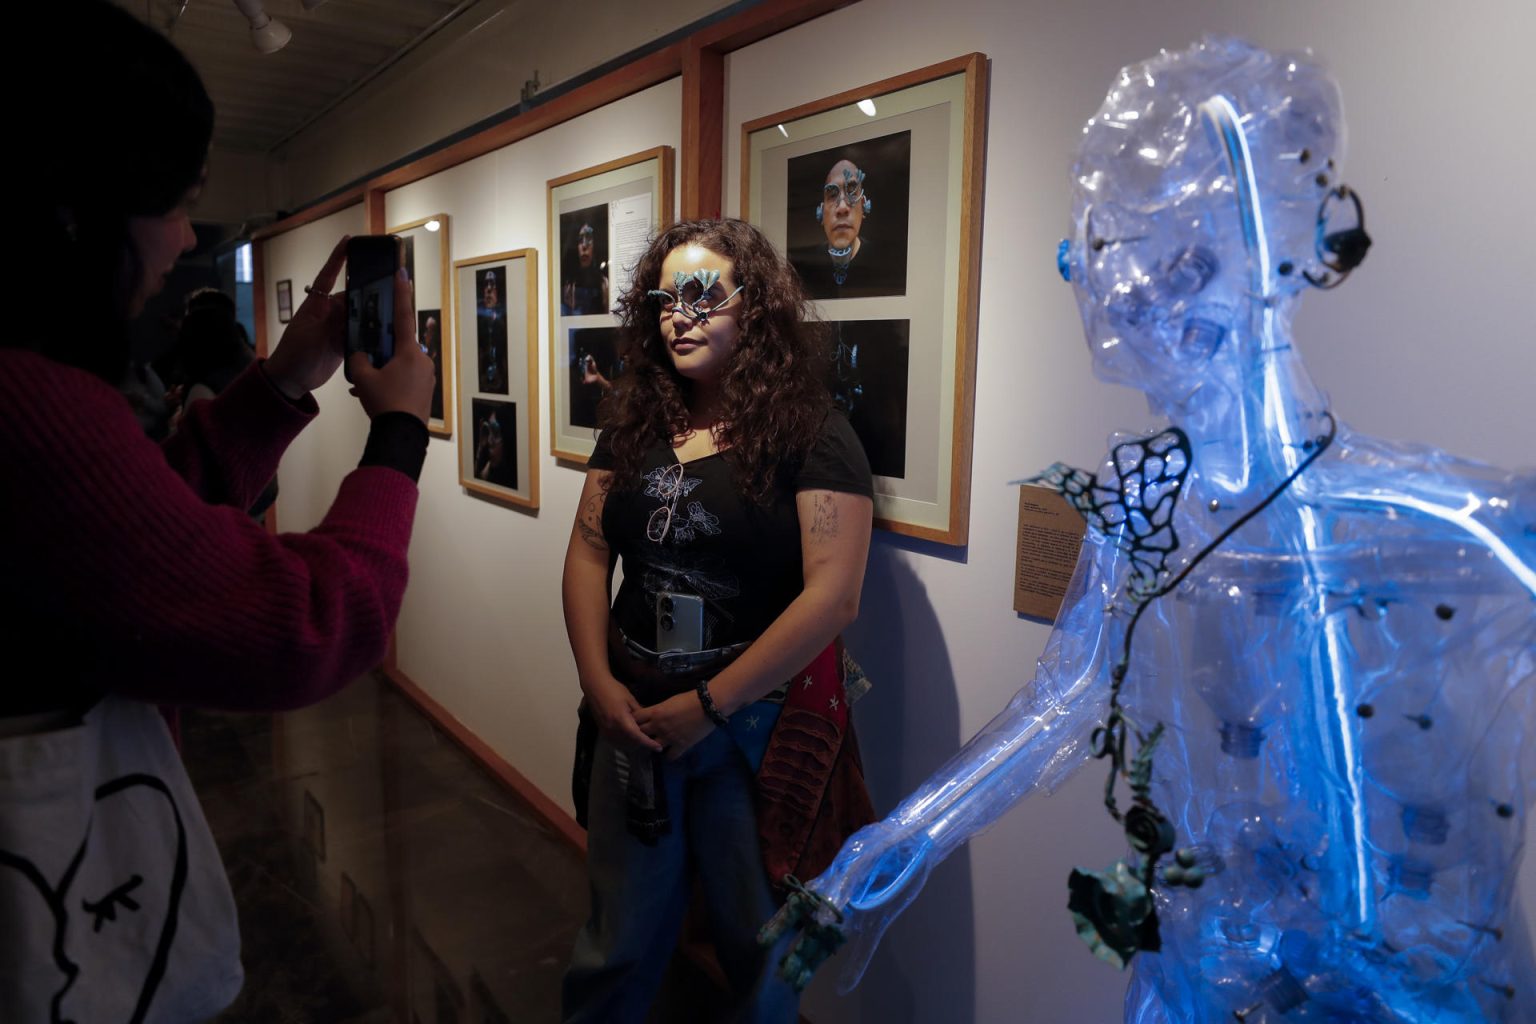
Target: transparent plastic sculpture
{"points": [[1305, 658]]}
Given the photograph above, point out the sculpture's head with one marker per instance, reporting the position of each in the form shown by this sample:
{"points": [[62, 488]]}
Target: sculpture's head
{"points": [[1207, 183]]}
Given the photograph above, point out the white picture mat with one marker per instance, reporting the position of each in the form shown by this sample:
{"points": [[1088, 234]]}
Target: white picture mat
{"points": [[623, 186], [519, 387], [934, 112]]}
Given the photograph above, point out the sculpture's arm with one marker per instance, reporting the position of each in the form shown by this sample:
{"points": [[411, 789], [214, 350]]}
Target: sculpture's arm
{"points": [[1040, 737]]}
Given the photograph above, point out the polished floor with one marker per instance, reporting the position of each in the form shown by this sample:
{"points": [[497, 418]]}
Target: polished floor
{"points": [[382, 876]]}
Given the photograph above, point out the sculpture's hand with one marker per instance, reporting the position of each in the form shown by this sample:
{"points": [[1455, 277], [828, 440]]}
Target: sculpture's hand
{"points": [[876, 875]]}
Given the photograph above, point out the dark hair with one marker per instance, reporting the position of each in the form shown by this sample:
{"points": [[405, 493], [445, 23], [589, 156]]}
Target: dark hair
{"points": [[773, 395], [211, 347], [120, 128], [211, 298]]}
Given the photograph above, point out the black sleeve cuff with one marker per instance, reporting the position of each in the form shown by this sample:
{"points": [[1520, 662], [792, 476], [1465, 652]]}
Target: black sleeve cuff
{"points": [[397, 440]]}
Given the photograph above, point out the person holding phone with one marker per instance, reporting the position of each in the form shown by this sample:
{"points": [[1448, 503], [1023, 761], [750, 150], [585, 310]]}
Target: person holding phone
{"points": [[133, 576], [740, 503]]}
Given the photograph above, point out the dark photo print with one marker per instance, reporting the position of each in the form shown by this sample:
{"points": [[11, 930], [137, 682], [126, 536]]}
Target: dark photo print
{"points": [[584, 262], [491, 329], [594, 362], [495, 434], [867, 374], [848, 210]]}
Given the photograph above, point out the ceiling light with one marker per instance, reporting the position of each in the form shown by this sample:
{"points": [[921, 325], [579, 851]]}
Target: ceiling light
{"points": [[267, 35]]}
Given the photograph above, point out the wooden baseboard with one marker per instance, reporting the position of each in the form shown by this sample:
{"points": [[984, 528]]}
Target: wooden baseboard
{"points": [[551, 813]]}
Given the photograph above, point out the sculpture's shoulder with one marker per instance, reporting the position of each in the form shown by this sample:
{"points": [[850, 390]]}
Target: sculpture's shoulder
{"points": [[1401, 491]]}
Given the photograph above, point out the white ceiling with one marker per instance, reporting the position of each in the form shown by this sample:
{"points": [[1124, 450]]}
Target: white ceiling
{"points": [[262, 99]]}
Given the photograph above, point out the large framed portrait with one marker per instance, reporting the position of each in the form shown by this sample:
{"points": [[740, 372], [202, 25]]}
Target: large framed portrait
{"points": [[875, 195], [600, 221], [496, 299], [428, 263]]}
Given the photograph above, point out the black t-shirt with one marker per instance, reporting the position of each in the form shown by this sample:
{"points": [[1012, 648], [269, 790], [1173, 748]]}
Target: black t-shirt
{"points": [[688, 530]]}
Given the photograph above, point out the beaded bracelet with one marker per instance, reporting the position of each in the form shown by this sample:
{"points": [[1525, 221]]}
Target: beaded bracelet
{"points": [[709, 704]]}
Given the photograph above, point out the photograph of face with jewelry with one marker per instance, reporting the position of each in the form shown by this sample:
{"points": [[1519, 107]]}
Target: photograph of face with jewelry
{"points": [[495, 434], [594, 366], [491, 329], [847, 214], [584, 261]]}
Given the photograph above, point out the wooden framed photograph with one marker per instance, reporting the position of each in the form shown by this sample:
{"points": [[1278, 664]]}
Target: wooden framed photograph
{"points": [[429, 264], [600, 221], [284, 301], [875, 194], [497, 372]]}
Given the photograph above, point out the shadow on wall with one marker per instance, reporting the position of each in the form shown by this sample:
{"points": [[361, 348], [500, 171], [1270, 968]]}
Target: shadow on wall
{"points": [[909, 725]]}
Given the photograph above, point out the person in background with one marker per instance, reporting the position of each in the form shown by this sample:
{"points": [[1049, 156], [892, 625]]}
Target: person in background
{"points": [[212, 349]]}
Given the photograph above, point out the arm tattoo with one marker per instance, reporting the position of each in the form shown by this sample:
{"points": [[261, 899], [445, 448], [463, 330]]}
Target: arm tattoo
{"points": [[824, 525], [590, 523]]}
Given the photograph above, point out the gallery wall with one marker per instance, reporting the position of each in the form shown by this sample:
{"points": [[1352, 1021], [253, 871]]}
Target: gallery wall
{"points": [[482, 628], [1429, 341]]}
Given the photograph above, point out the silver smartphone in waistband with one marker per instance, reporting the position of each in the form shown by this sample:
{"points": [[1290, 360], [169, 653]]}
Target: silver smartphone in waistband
{"points": [[679, 622]]}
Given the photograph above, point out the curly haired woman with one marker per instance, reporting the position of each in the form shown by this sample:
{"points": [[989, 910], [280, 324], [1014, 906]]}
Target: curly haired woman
{"points": [[741, 506]]}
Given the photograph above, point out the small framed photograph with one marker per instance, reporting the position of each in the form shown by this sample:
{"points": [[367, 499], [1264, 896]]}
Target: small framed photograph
{"points": [[497, 375], [875, 195], [600, 221], [427, 251], [284, 301]]}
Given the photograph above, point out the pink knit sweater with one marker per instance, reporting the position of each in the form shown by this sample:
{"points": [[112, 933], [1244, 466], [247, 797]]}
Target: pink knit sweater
{"points": [[131, 568]]}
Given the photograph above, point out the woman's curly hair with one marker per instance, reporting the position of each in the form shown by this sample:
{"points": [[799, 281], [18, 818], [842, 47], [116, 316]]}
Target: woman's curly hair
{"points": [[774, 397]]}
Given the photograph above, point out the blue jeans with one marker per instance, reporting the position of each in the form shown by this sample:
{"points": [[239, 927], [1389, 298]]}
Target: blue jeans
{"points": [[640, 893]]}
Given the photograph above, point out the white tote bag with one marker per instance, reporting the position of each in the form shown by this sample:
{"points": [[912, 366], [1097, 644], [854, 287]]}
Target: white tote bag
{"points": [[114, 906]]}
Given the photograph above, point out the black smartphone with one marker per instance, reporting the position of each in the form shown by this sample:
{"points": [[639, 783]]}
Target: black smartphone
{"points": [[372, 261]]}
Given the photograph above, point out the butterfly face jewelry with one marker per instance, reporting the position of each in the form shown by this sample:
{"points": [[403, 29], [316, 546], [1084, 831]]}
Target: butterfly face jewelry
{"points": [[851, 191], [692, 295]]}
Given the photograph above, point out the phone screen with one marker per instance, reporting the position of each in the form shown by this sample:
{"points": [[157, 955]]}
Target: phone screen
{"points": [[371, 264]]}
